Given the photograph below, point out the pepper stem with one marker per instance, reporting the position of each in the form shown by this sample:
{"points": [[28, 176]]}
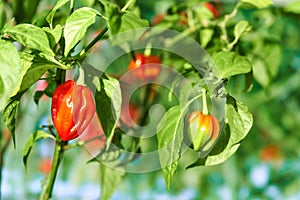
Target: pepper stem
{"points": [[58, 152], [95, 40], [204, 102], [148, 49], [57, 158]]}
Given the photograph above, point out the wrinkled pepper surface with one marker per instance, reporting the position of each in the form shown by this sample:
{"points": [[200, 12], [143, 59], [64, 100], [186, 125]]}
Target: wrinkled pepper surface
{"points": [[72, 109]]}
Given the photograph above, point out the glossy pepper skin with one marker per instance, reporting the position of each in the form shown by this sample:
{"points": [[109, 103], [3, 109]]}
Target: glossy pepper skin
{"points": [[72, 109], [203, 130], [145, 67]]}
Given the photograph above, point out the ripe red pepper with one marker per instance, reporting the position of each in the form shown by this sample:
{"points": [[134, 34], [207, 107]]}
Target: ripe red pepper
{"points": [[145, 67], [203, 130], [72, 109], [215, 10], [270, 153], [157, 19], [94, 137]]}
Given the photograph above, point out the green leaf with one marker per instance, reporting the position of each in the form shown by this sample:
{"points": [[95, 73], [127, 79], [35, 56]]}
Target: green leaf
{"points": [[110, 178], [9, 24], [30, 36], [111, 156], [31, 141], [58, 5], [267, 63], [238, 122], [76, 26], [50, 88], [272, 56], [170, 138], [241, 28], [24, 10], [121, 21], [36, 67], [108, 105], [230, 64], [248, 82], [11, 71], [124, 21], [258, 3], [206, 36], [54, 34], [9, 115], [34, 73], [53, 60], [260, 72], [293, 7]]}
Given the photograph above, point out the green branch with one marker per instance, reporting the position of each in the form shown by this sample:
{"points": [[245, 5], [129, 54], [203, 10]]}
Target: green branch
{"points": [[57, 158]]}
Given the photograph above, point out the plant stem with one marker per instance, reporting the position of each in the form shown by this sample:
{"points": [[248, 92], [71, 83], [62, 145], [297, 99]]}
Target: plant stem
{"points": [[71, 6], [58, 151], [204, 103], [148, 49], [60, 76], [223, 25], [57, 158], [96, 39], [189, 103], [147, 102], [127, 5]]}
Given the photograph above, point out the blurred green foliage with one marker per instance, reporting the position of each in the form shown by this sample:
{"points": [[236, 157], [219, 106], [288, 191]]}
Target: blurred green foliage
{"points": [[265, 166]]}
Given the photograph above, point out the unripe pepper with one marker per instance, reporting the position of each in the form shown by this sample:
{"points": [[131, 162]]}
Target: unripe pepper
{"points": [[145, 67], [203, 130], [72, 109]]}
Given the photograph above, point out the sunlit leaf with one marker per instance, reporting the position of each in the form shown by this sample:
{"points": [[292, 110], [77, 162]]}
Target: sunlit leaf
{"points": [[34, 73], [110, 178], [54, 34], [36, 67], [241, 28], [9, 115], [266, 65], [260, 72], [169, 138], [11, 71], [258, 3], [230, 64], [108, 104], [293, 7], [76, 26], [30, 36], [31, 141], [120, 22], [58, 5], [206, 36]]}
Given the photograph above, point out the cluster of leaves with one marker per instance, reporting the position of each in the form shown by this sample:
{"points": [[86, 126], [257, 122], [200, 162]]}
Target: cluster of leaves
{"points": [[34, 44]]}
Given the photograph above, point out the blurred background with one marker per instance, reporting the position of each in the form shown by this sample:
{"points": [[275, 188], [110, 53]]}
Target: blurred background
{"points": [[266, 166]]}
